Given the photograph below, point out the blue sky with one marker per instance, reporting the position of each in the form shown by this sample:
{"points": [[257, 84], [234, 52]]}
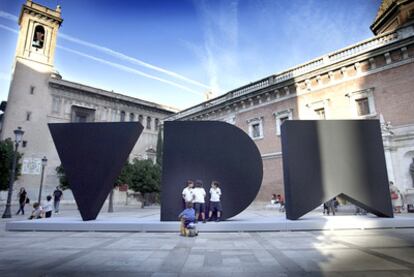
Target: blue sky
{"points": [[171, 52]]}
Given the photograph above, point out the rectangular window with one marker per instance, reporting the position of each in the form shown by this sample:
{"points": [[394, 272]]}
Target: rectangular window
{"points": [[283, 119], [255, 127], [56, 105], [320, 113], [256, 130], [282, 116], [362, 106], [81, 114], [32, 90], [24, 143], [28, 116]]}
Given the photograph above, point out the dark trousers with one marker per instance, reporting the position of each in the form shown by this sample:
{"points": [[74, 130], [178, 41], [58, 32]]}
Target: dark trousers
{"points": [[48, 214], [21, 208], [56, 205]]}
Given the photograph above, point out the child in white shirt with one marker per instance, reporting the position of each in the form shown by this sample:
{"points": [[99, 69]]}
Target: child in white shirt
{"points": [[215, 204], [48, 206], [199, 203], [188, 193]]}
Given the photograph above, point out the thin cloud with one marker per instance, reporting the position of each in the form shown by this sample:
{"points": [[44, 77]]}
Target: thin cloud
{"points": [[128, 69], [130, 59], [117, 66], [218, 54], [9, 29], [8, 16], [116, 54]]}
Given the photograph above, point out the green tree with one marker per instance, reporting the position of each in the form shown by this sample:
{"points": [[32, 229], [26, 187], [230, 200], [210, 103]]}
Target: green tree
{"points": [[125, 176], [145, 179], [146, 176], [63, 180], [6, 161], [160, 145]]}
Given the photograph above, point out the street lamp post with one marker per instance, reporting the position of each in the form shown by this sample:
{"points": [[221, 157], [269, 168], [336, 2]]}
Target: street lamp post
{"points": [[18, 134], [44, 163]]}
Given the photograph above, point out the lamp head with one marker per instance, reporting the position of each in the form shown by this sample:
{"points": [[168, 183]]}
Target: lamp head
{"points": [[18, 134], [44, 161]]}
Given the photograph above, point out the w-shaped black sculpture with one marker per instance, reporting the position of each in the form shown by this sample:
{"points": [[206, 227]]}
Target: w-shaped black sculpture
{"points": [[92, 155], [326, 158]]}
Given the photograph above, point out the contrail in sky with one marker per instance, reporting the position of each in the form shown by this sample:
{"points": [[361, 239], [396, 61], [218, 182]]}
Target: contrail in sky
{"points": [[127, 69], [130, 59], [116, 54]]}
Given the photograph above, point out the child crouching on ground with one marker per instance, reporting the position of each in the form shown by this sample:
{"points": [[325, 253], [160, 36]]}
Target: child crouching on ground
{"points": [[187, 217], [37, 211]]}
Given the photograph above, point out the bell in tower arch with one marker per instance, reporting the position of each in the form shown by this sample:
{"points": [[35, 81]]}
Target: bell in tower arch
{"points": [[38, 37]]}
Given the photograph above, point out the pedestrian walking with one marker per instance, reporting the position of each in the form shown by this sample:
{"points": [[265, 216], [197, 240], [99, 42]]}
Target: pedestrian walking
{"points": [[57, 196], [23, 199], [330, 205]]}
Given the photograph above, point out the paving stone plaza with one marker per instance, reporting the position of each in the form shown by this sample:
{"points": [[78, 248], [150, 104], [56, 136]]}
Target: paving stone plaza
{"points": [[374, 252]]}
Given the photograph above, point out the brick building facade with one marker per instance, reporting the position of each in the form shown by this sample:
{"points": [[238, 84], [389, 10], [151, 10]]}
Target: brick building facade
{"points": [[373, 79]]}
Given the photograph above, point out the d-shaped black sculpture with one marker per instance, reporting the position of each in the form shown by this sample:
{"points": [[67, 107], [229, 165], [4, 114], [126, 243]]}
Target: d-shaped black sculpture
{"points": [[207, 151], [326, 158], [92, 155]]}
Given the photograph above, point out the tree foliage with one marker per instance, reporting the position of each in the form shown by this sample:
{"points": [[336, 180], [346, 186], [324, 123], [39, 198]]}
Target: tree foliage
{"points": [[145, 176], [141, 176], [125, 176], [6, 163], [63, 180]]}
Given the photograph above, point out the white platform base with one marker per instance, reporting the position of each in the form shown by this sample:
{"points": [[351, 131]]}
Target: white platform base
{"points": [[260, 224]]}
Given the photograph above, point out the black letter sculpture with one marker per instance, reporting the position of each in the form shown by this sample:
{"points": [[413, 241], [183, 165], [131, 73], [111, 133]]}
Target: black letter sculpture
{"points": [[92, 155], [326, 158], [209, 150]]}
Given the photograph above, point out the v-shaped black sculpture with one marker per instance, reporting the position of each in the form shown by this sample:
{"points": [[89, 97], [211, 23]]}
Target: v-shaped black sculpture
{"points": [[92, 155], [326, 158]]}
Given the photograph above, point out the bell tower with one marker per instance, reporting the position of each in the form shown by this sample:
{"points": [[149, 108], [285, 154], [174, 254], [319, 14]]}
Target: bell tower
{"points": [[29, 100], [38, 32], [31, 70]]}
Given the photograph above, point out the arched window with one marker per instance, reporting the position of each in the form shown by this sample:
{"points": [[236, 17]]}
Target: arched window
{"points": [[131, 117], [157, 124], [140, 118], [122, 116], [38, 37], [148, 122]]}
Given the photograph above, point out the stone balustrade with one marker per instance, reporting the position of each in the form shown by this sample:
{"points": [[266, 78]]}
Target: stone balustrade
{"points": [[329, 59]]}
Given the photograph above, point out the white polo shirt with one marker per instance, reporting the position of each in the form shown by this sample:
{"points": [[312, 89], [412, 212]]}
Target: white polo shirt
{"points": [[188, 194], [199, 194], [215, 194]]}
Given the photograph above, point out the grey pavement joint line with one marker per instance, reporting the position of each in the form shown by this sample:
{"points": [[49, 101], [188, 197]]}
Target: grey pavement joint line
{"points": [[284, 261], [377, 254], [82, 252]]}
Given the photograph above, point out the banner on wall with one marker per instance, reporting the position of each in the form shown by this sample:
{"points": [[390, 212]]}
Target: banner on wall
{"points": [[32, 166]]}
